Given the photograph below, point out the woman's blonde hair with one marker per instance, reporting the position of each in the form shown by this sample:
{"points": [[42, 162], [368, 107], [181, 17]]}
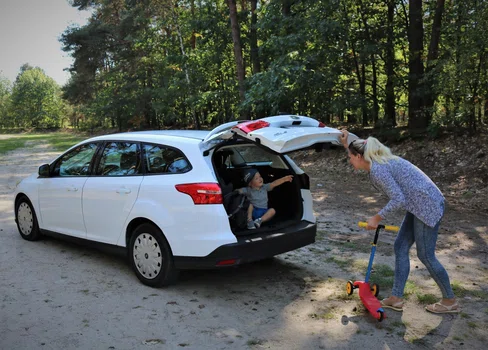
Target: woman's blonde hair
{"points": [[371, 150]]}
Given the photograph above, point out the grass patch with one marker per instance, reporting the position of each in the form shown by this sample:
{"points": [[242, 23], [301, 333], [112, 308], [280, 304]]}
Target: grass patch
{"points": [[253, 342], [58, 141], [340, 262], [321, 234], [345, 246], [472, 325], [462, 292], [383, 276], [426, 299], [410, 289], [328, 314]]}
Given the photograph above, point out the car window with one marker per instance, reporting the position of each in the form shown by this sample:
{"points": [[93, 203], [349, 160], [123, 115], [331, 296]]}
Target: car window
{"points": [[119, 159], [76, 162], [252, 155], [163, 160]]}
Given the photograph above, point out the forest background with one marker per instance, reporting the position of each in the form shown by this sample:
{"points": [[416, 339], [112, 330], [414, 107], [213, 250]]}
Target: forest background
{"points": [[152, 64]]}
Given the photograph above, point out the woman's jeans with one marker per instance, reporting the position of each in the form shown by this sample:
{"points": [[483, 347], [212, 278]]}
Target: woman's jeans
{"points": [[425, 237]]}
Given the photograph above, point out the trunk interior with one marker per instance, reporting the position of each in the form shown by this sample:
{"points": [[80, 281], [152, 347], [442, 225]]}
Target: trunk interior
{"points": [[285, 199]]}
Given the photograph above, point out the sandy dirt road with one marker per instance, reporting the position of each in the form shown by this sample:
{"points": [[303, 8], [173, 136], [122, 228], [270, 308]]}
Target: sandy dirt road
{"points": [[57, 295]]}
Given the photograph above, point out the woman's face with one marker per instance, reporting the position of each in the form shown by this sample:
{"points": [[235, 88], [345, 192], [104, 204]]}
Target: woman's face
{"points": [[356, 160]]}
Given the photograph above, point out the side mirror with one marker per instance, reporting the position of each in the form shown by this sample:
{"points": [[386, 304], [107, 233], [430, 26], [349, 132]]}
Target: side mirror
{"points": [[44, 170]]}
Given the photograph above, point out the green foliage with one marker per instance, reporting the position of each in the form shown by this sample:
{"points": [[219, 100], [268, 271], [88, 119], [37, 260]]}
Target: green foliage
{"points": [[5, 91], [167, 63], [35, 101]]}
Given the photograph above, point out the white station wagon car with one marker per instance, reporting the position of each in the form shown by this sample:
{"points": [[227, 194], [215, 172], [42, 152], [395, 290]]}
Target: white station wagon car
{"points": [[158, 195]]}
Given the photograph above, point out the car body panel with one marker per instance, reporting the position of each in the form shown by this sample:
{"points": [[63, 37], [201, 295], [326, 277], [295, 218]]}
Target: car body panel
{"points": [[60, 204], [107, 202], [282, 134]]}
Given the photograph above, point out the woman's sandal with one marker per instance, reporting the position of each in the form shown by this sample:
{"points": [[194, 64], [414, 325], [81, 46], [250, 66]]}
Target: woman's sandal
{"points": [[438, 308], [398, 306]]}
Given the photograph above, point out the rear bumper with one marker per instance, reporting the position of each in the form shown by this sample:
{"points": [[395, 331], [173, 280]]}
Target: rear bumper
{"points": [[254, 247]]}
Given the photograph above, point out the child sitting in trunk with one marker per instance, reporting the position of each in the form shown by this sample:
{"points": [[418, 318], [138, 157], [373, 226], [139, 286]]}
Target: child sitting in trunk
{"points": [[257, 192]]}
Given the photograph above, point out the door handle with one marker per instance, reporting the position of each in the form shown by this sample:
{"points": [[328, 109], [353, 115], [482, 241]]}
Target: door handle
{"points": [[73, 189], [123, 190]]}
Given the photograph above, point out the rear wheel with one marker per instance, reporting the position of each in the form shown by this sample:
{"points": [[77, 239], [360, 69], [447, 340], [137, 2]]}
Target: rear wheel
{"points": [[151, 257], [349, 287], [375, 289], [26, 219]]}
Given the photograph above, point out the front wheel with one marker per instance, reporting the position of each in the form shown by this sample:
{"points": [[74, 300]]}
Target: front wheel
{"points": [[151, 257], [349, 287], [26, 219], [381, 316]]}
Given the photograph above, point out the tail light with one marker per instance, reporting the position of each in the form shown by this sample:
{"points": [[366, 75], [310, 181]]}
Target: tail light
{"points": [[321, 125], [202, 193], [251, 126], [228, 262]]}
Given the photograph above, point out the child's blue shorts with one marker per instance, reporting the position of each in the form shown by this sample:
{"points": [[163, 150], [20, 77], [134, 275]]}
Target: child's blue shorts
{"points": [[258, 212]]}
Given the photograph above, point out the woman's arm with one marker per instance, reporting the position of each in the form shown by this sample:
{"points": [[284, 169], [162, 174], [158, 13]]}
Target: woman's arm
{"points": [[343, 138]]}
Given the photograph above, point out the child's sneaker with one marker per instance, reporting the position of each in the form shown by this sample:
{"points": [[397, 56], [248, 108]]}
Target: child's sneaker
{"points": [[258, 223], [250, 225]]}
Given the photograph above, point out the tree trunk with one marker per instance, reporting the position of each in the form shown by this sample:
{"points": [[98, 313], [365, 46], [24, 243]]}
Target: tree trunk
{"points": [[256, 66], [475, 98], [416, 117], [360, 74], [390, 68], [485, 114], [286, 7], [193, 39], [362, 87], [432, 56], [374, 84], [187, 75], [236, 38]]}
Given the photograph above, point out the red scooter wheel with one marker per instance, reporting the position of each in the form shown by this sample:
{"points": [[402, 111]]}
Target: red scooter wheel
{"points": [[375, 289], [349, 288], [381, 316]]}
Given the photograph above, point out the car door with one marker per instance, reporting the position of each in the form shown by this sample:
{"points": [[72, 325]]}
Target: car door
{"points": [[60, 194], [280, 134], [110, 194]]}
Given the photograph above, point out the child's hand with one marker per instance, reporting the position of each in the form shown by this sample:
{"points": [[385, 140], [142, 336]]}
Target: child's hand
{"points": [[288, 178]]}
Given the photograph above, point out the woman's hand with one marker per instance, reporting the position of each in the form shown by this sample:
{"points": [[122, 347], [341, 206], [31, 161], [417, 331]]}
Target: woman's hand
{"points": [[343, 138], [373, 222]]}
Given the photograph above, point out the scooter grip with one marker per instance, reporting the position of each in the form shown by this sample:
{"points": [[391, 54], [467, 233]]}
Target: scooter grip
{"points": [[387, 227], [392, 228]]}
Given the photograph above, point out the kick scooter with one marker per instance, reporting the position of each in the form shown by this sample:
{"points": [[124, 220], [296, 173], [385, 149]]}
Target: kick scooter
{"points": [[367, 292]]}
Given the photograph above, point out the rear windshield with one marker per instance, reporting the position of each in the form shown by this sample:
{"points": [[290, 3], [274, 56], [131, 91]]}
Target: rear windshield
{"points": [[253, 155]]}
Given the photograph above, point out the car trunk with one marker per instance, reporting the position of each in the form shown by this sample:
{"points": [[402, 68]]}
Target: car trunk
{"points": [[286, 199]]}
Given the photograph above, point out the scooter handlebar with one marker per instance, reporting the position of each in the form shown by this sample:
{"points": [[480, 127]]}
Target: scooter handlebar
{"points": [[386, 227]]}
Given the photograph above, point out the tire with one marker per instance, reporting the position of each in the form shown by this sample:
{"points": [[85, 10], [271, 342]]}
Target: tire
{"points": [[349, 287], [375, 289], [381, 316], [151, 257], [26, 219]]}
